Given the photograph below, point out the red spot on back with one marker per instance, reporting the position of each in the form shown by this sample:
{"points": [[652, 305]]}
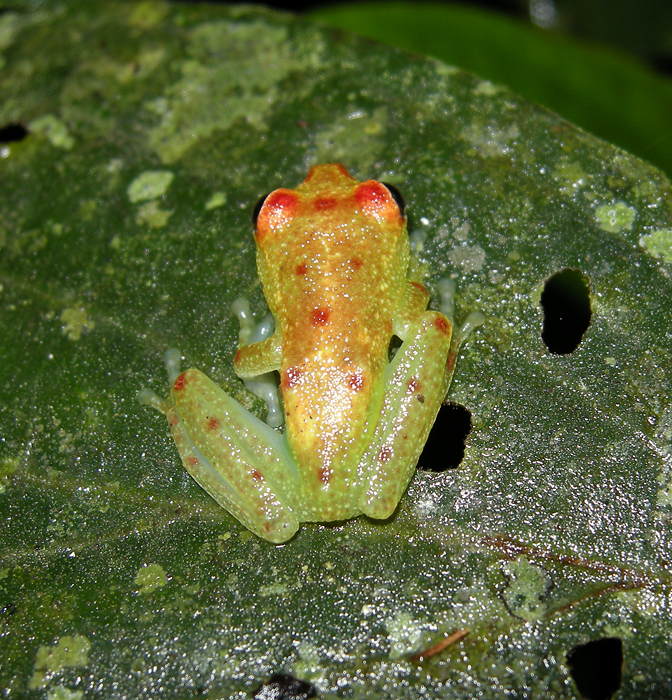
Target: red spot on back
{"points": [[301, 269], [355, 264], [442, 324], [180, 382], [236, 357], [325, 475], [292, 377], [214, 423], [325, 203], [385, 455], [356, 380], [320, 317], [413, 385], [257, 475]]}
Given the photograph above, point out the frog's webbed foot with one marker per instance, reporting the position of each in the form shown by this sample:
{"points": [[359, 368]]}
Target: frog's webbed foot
{"points": [[171, 359], [447, 290], [264, 385]]}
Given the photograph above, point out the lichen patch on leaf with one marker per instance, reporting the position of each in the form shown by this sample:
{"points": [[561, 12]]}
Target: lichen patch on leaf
{"points": [[54, 129], [615, 218], [658, 243], [150, 577], [76, 321], [67, 652], [150, 184]]}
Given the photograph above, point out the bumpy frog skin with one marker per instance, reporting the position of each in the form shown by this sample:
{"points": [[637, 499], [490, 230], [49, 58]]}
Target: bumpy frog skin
{"points": [[333, 258]]}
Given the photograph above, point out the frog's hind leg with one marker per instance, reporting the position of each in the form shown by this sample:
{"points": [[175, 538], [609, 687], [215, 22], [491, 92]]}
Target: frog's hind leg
{"points": [[416, 382], [240, 461]]}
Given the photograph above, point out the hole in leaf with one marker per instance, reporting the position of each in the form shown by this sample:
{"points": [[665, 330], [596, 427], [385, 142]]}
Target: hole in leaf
{"points": [[566, 304], [444, 448], [282, 686], [596, 667], [12, 132]]}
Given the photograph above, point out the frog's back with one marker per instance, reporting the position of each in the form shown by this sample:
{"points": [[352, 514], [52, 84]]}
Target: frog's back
{"points": [[333, 272]]}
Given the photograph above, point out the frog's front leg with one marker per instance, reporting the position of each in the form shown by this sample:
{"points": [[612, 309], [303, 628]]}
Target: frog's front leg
{"points": [[416, 382], [239, 460]]}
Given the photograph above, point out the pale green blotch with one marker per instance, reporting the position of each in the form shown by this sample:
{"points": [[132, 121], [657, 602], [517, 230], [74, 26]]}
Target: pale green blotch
{"points": [[490, 141], [470, 258], [658, 243], [151, 214], [60, 692], [67, 652], [150, 577], [615, 218], [445, 69], [353, 138], [234, 75], [276, 588], [54, 129], [485, 87], [404, 633], [148, 13], [10, 23], [528, 584], [570, 177], [149, 185], [217, 200], [76, 321]]}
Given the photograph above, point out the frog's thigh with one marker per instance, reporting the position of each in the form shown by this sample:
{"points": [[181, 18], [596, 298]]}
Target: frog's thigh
{"points": [[241, 462], [412, 398]]}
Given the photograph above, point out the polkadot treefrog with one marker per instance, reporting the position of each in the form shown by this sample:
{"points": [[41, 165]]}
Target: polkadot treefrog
{"points": [[333, 258]]}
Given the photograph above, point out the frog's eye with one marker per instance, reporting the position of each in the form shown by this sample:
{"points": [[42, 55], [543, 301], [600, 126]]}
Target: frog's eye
{"points": [[257, 208], [274, 212], [380, 201], [396, 196]]}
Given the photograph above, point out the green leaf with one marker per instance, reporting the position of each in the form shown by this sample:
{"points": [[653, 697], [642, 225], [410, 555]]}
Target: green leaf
{"points": [[602, 90], [152, 129]]}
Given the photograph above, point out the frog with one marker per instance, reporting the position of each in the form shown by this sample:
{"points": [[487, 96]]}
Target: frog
{"points": [[334, 261]]}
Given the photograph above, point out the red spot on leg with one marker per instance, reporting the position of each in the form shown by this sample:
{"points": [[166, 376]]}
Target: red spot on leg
{"points": [[419, 286], [325, 475], [413, 385], [301, 269], [385, 455], [355, 264], [193, 461], [180, 382], [442, 324], [236, 357], [257, 475], [214, 423], [320, 316]]}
